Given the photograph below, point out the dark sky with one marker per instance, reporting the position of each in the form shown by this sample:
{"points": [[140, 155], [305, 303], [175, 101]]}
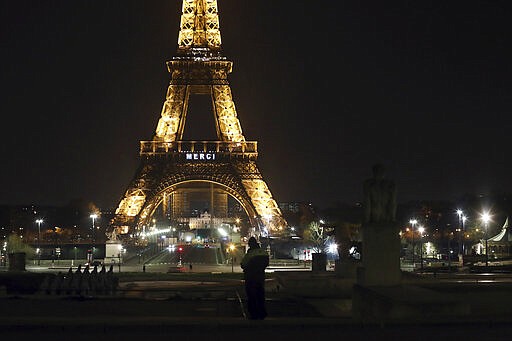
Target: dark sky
{"points": [[327, 90]]}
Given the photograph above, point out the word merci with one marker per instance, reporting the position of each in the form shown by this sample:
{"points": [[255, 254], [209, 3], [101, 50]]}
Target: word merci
{"points": [[200, 156]]}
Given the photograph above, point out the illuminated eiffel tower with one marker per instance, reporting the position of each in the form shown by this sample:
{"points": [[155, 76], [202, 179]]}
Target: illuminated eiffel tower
{"points": [[168, 161]]}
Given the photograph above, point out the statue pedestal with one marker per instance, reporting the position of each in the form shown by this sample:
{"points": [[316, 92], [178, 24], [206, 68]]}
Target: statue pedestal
{"points": [[112, 251], [381, 255], [319, 262]]}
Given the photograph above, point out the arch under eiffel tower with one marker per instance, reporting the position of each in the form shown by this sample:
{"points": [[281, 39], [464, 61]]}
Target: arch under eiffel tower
{"points": [[168, 162]]}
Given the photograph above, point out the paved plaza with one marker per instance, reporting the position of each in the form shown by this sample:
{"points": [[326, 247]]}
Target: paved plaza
{"points": [[301, 304]]}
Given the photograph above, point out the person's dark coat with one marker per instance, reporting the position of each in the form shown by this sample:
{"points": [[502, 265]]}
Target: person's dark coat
{"points": [[254, 263]]}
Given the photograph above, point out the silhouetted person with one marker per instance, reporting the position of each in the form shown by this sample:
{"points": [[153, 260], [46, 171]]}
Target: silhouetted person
{"points": [[68, 281], [57, 283], [254, 263], [111, 281], [46, 286], [84, 284], [93, 280], [77, 280]]}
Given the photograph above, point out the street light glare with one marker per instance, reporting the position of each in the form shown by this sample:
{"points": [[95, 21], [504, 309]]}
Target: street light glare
{"points": [[93, 216], [486, 217], [459, 212], [39, 222], [332, 248]]}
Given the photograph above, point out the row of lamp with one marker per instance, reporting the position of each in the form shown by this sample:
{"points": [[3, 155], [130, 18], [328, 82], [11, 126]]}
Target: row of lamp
{"points": [[40, 221], [486, 219]]}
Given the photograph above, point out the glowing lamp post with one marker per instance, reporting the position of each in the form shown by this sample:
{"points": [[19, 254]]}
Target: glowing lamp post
{"points": [[464, 218], [413, 223], [332, 249], [461, 232], [39, 222], [93, 217], [155, 233], [421, 229], [268, 217], [232, 252], [180, 252], [236, 227], [486, 218]]}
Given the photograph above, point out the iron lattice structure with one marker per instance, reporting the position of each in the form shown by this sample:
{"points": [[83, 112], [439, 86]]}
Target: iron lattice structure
{"points": [[168, 161]]}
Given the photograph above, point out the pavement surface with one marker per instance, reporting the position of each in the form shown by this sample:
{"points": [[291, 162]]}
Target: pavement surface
{"points": [[301, 304], [108, 325]]}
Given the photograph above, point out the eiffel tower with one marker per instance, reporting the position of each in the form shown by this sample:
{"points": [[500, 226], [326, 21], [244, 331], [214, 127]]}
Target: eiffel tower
{"points": [[168, 161]]}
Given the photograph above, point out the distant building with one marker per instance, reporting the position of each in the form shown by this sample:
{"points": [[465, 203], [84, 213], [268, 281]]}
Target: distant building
{"points": [[500, 245], [205, 221]]}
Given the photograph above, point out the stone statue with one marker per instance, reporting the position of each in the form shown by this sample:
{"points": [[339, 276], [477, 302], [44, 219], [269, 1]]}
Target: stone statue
{"points": [[112, 236], [379, 197], [381, 241]]}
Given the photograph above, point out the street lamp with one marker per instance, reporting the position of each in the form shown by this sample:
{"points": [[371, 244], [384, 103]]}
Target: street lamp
{"points": [[421, 229], [461, 232], [235, 228], [155, 233], [232, 252], [93, 217], [268, 216], [163, 241], [464, 218], [39, 222], [413, 223], [459, 213], [486, 218]]}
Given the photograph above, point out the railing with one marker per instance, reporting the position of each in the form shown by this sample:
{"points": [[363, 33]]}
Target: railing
{"points": [[244, 148]]}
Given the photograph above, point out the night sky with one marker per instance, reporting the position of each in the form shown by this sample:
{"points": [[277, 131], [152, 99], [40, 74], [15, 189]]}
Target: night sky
{"points": [[421, 86]]}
